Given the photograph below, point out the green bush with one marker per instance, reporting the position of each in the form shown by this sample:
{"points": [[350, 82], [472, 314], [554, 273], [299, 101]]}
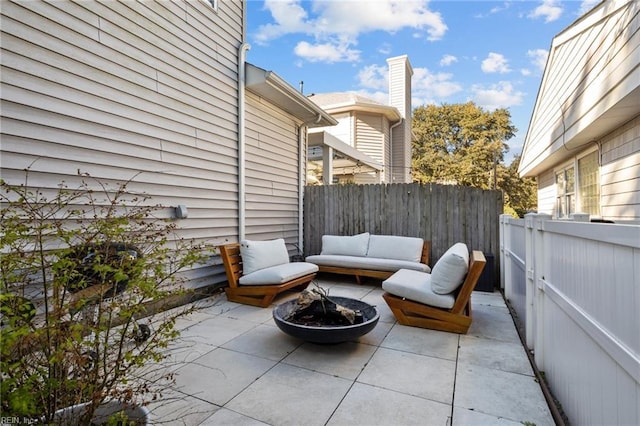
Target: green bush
{"points": [[78, 269]]}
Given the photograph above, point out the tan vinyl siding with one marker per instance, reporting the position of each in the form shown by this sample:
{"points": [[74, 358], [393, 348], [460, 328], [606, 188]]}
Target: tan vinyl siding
{"points": [[369, 135], [127, 90], [271, 172]]}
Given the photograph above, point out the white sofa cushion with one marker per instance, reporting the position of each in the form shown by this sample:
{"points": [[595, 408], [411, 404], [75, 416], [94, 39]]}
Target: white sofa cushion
{"points": [[258, 255], [278, 274], [395, 247], [354, 245], [416, 286], [450, 270], [358, 262]]}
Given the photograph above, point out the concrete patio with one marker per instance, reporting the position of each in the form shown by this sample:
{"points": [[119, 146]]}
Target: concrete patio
{"points": [[235, 367]]}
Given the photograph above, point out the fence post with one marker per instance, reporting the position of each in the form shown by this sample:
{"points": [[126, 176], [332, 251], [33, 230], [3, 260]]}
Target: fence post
{"points": [[534, 269], [505, 270]]}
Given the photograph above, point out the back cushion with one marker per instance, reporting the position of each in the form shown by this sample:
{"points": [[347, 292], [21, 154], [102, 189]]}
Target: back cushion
{"points": [[394, 247], [355, 245], [449, 271], [258, 255]]}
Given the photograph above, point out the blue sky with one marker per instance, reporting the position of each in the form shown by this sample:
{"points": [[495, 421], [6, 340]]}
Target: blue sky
{"points": [[489, 52]]}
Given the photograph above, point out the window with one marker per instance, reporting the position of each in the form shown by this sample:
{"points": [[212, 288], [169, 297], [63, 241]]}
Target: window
{"points": [[566, 187], [578, 186], [589, 184]]}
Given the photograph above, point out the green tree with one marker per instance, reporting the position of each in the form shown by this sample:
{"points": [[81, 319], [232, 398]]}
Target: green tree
{"points": [[463, 144], [520, 194], [460, 144]]}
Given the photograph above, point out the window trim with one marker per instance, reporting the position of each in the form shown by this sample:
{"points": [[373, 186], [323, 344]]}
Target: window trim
{"points": [[574, 163]]}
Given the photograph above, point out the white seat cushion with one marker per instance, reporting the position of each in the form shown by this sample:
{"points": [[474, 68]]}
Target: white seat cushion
{"points": [[450, 270], [395, 247], [258, 255], [416, 286], [355, 245], [278, 274], [357, 262]]}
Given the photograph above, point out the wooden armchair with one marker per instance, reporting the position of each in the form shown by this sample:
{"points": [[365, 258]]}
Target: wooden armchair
{"points": [[258, 294], [456, 319]]}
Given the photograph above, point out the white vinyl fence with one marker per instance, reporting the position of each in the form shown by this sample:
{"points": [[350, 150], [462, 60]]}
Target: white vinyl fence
{"points": [[575, 287]]}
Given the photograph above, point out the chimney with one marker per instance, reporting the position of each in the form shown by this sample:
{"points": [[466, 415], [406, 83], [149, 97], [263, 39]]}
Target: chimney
{"points": [[400, 73]]}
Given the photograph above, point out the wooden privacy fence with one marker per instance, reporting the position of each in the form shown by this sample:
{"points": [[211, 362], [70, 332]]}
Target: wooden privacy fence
{"points": [[442, 214]]}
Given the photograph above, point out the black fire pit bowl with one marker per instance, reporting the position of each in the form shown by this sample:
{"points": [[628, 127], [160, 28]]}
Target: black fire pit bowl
{"points": [[327, 334]]}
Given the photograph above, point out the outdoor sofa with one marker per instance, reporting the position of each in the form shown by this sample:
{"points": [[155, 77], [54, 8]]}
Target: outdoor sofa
{"points": [[369, 255], [258, 271]]}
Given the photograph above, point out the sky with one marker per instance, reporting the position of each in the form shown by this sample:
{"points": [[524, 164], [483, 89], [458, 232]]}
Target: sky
{"points": [[490, 52]]}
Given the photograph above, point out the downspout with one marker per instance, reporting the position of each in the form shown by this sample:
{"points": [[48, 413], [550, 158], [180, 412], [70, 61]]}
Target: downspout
{"points": [[391, 149], [302, 178], [242, 57]]}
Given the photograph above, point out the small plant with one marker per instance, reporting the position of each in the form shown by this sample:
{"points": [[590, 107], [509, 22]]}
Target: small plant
{"points": [[79, 268]]}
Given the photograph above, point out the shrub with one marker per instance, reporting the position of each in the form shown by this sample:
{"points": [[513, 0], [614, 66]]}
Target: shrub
{"points": [[78, 270]]}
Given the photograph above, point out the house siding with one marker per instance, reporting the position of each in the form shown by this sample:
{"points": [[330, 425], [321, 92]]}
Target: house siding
{"points": [[369, 135], [272, 178], [141, 91], [344, 130], [620, 173], [589, 70], [547, 192]]}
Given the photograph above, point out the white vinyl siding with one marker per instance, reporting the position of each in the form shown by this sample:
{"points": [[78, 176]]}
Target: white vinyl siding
{"points": [[589, 70], [620, 173], [271, 172], [127, 90], [344, 130]]}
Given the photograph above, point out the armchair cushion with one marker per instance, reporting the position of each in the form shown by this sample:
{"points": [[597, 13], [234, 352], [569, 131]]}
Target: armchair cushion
{"points": [[258, 255], [395, 247], [278, 274], [449, 271], [355, 245], [416, 286]]}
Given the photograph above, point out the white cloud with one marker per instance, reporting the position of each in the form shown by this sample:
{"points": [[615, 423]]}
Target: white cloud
{"points": [[448, 60], [337, 22], [538, 58], [525, 72], [326, 52], [429, 87], [550, 10], [495, 63], [374, 77], [500, 95], [586, 6]]}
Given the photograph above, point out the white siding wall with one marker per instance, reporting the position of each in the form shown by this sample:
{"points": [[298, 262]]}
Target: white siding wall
{"points": [[144, 90], [547, 192], [344, 130], [591, 68], [272, 172], [620, 173]]}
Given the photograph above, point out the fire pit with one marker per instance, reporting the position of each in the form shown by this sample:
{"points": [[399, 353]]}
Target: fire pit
{"points": [[321, 329]]}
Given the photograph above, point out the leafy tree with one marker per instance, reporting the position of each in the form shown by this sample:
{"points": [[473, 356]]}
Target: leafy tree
{"points": [[463, 144], [520, 194], [459, 143]]}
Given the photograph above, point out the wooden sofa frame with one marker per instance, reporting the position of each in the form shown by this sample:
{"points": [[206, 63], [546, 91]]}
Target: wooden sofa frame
{"points": [[456, 320], [255, 295], [371, 273]]}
